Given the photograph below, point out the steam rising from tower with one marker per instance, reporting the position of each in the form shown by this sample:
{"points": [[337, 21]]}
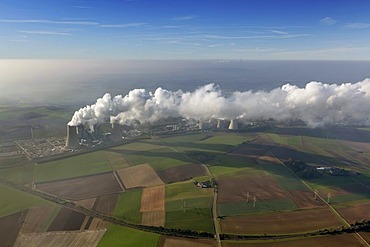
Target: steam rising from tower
{"points": [[316, 104]]}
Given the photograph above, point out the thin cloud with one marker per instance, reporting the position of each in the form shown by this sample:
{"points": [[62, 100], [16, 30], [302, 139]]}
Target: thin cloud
{"points": [[88, 23], [184, 18], [43, 32], [215, 45], [357, 25], [135, 24], [279, 32], [328, 21]]}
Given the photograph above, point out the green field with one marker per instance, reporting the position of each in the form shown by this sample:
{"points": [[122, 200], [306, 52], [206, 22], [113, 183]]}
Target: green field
{"points": [[185, 190], [13, 201], [128, 206], [18, 174], [123, 236], [188, 207], [76, 166]]}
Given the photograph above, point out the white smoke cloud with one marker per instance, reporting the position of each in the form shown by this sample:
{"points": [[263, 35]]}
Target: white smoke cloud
{"points": [[316, 104]]}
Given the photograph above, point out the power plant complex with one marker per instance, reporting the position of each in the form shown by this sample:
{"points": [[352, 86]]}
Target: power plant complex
{"points": [[80, 136]]}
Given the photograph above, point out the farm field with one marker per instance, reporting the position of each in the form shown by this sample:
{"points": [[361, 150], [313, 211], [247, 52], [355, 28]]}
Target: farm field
{"points": [[13, 201], [18, 174], [139, 176], [67, 220], [156, 155], [38, 219], [355, 212], [10, 227], [76, 166], [81, 188], [182, 173], [188, 207], [122, 236], [73, 239], [343, 240], [128, 206], [281, 222], [166, 241], [152, 206]]}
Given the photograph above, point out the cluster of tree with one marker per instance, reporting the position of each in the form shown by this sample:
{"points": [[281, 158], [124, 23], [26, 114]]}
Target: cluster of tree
{"points": [[302, 169], [202, 157]]}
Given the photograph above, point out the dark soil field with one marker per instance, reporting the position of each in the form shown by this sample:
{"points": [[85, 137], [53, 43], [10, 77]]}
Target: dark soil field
{"points": [[106, 204], [67, 220], [9, 228], [305, 199], [181, 173], [37, 218], [281, 222], [83, 187], [235, 189], [355, 212], [254, 148]]}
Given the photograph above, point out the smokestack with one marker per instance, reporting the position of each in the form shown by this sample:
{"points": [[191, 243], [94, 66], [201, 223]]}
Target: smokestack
{"points": [[72, 140], [233, 125]]}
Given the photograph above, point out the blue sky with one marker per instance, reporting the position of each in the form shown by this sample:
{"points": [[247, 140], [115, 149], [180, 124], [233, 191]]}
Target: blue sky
{"points": [[185, 29]]}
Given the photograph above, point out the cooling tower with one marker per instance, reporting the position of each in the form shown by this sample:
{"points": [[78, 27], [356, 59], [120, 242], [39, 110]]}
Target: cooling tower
{"points": [[201, 125], [233, 125], [219, 124], [72, 139]]}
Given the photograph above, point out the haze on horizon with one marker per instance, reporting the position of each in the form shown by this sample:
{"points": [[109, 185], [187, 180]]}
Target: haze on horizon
{"points": [[75, 51]]}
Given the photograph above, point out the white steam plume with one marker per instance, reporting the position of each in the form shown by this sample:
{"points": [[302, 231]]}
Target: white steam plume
{"points": [[316, 104]]}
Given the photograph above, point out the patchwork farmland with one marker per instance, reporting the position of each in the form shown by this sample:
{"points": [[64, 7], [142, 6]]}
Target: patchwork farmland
{"points": [[236, 183]]}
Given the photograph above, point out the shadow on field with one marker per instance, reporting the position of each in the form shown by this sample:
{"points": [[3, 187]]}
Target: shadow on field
{"points": [[155, 153], [336, 132], [194, 145], [260, 157]]}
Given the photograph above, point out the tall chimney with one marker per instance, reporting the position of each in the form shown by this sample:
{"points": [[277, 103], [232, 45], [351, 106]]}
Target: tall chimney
{"points": [[72, 140], [233, 125]]}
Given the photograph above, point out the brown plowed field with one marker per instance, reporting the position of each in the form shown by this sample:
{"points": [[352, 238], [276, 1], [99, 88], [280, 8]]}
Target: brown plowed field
{"points": [[106, 204], [152, 199], [9, 228], [67, 220], [139, 176], [281, 222], [182, 173], [82, 188], [152, 206], [305, 199], [70, 239], [153, 218], [165, 241], [356, 212], [36, 218], [87, 203], [343, 240], [234, 189]]}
